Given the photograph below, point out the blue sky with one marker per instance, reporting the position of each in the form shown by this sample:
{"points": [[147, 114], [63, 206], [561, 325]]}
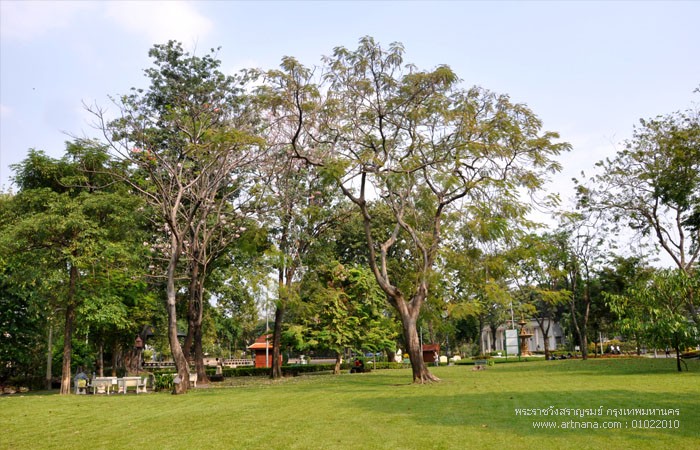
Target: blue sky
{"points": [[590, 70]]}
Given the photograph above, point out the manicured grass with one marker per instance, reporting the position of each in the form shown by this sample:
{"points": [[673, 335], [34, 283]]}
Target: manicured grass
{"points": [[378, 410]]}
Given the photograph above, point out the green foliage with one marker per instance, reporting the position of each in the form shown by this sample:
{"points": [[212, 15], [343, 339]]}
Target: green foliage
{"points": [[73, 240], [163, 381], [21, 330], [343, 309], [656, 311], [652, 186]]}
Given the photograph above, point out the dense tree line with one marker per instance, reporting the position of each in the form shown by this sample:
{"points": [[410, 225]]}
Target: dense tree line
{"points": [[372, 203]]}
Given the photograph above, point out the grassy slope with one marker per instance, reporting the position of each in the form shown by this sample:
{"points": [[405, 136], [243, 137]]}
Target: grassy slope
{"points": [[379, 410]]}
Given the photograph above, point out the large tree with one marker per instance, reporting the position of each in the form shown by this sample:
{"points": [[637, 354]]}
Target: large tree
{"points": [[652, 186], [585, 246], [430, 150], [71, 243], [302, 207], [190, 143]]}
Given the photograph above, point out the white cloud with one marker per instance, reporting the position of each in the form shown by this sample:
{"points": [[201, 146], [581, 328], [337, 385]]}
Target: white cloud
{"points": [[31, 19], [160, 21], [5, 112]]}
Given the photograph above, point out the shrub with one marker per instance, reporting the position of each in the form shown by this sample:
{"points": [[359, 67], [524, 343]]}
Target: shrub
{"points": [[163, 381]]}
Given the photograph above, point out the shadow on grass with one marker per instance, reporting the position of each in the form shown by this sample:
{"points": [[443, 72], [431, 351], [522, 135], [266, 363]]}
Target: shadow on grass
{"points": [[497, 411], [486, 401], [608, 366]]}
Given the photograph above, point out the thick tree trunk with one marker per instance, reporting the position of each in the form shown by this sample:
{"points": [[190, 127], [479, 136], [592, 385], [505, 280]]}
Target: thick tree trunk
{"points": [[581, 329], [408, 313], [545, 335], [276, 372], [284, 278], [195, 316], [421, 374], [338, 362], [183, 370], [115, 359], [67, 349], [189, 340], [577, 329], [192, 309], [68, 331], [181, 365], [199, 356]]}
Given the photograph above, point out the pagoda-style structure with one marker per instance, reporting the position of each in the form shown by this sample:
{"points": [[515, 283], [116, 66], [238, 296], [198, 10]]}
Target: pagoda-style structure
{"points": [[262, 347]]}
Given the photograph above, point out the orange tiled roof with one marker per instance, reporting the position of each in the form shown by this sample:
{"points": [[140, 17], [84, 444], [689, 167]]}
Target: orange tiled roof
{"points": [[262, 342]]}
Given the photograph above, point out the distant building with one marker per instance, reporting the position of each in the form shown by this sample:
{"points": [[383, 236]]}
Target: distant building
{"points": [[263, 351], [429, 352], [535, 343]]}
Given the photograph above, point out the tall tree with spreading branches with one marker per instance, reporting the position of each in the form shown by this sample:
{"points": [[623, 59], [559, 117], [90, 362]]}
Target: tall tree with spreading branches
{"points": [[652, 187], [430, 150], [191, 144]]}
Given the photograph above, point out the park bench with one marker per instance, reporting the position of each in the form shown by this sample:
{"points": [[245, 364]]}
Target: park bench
{"points": [[103, 385], [138, 383], [193, 378], [480, 364]]}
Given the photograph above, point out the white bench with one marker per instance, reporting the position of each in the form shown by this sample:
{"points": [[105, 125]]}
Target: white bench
{"points": [[193, 378], [137, 383], [103, 385]]}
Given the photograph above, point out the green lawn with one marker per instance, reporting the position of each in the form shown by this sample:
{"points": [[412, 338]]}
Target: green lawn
{"points": [[379, 410]]}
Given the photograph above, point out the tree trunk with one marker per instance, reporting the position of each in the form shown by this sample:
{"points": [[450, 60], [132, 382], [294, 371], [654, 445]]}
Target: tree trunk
{"points": [[68, 331], [421, 374], [579, 334], [189, 339], [115, 359], [676, 345], [276, 372], [409, 318], [546, 347], [482, 346], [101, 359], [545, 335], [284, 279], [183, 370], [199, 356], [192, 308], [195, 316], [584, 325], [338, 361], [49, 358], [494, 330]]}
